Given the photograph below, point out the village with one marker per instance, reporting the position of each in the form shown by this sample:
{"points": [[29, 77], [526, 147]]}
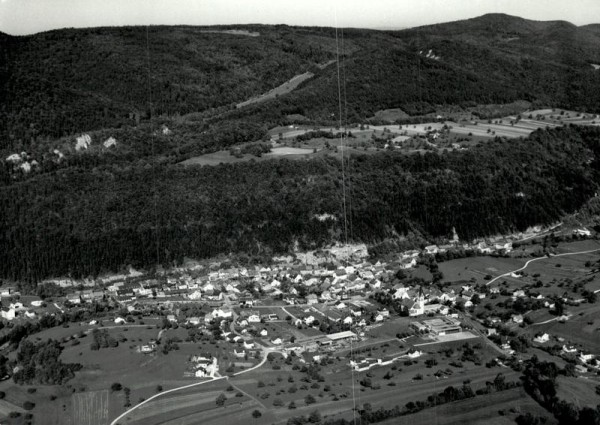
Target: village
{"points": [[316, 304]]}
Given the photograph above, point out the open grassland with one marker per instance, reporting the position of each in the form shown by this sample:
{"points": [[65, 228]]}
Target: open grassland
{"points": [[465, 269], [391, 115], [580, 330], [579, 391], [6, 408], [280, 90], [225, 157], [91, 408]]}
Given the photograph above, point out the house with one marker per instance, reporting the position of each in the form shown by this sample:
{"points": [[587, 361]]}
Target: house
{"points": [[384, 312], [276, 341], [239, 354], [263, 332], [248, 344], [74, 299], [582, 232], [312, 299], [171, 318], [401, 293], [413, 354], [119, 321], [222, 313], [569, 349], [309, 320], [408, 263], [347, 320], [196, 295], [193, 321], [431, 249], [541, 339], [8, 313], [148, 348], [518, 294], [517, 318]]}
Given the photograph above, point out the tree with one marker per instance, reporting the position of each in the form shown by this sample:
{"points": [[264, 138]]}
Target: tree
{"points": [[314, 417], [309, 399], [159, 388], [292, 405], [221, 399], [256, 414], [116, 387]]}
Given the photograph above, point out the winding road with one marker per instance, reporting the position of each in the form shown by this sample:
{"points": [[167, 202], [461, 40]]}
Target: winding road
{"points": [[541, 258]]}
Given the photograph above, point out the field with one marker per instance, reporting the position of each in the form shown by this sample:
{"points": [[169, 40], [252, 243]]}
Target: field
{"points": [[466, 132], [91, 408], [225, 157], [481, 410], [580, 330], [189, 406], [464, 269], [578, 391], [282, 89], [391, 115]]}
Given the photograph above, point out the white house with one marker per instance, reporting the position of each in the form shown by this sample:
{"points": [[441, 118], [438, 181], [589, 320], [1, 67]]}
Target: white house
{"points": [[414, 354], [541, 339], [119, 321], [8, 314]]}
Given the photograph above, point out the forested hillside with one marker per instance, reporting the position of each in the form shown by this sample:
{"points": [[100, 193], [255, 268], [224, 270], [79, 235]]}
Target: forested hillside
{"points": [[165, 94], [63, 82], [82, 223]]}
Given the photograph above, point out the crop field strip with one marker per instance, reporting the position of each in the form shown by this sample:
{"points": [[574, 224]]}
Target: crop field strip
{"points": [[90, 408]]}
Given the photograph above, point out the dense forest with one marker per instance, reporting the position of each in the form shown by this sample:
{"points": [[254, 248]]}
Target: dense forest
{"points": [[164, 94], [83, 222]]}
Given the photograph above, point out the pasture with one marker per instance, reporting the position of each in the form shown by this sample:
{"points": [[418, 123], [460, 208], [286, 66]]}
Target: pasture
{"points": [[580, 330], [581, 392], [464, 269]]}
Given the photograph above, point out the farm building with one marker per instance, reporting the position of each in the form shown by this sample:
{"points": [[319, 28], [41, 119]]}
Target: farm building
{"points": [[342, 336]]}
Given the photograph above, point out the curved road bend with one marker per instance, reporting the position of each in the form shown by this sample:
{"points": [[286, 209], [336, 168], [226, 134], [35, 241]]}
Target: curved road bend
{"points": [[127, 412], [541, 258]]}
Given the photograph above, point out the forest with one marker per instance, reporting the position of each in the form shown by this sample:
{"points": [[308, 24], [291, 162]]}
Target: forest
{"points": [[83, 222], [60, 83], [165, 94]]}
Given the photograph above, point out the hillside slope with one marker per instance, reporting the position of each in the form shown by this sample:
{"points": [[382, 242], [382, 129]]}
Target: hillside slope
{"points": [[63, 82]]}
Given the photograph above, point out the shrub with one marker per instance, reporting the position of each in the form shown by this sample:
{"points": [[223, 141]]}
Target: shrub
{"points": [[28, 405]]}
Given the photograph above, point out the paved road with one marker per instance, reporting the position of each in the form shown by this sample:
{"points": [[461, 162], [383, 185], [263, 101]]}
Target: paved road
{"points": [[539, 259]]}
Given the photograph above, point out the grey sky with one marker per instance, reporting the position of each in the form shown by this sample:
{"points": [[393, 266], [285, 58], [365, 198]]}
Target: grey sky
{"points": [[30, 16]]}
